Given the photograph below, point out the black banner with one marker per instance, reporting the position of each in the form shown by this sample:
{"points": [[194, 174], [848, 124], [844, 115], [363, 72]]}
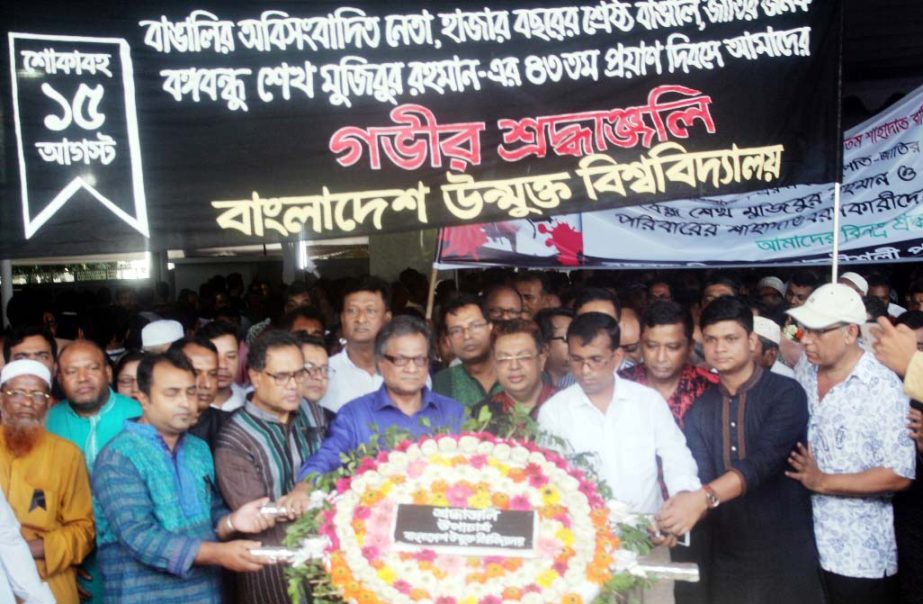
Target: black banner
{"points": [[178, 124]]}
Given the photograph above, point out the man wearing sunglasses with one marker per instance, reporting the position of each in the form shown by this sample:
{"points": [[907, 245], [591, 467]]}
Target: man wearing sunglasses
{"points": [[403, 350], [858, 452]]}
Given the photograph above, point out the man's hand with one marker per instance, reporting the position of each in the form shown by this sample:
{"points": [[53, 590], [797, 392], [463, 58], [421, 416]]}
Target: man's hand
{"points": [[915, 426], [82, 593], [681, 512], [37, 548], [235, 556], [802, 461], [247, 518], [297, 501], [894, 346]]}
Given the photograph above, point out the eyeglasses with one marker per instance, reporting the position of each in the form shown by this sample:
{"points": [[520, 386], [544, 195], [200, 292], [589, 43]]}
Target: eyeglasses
{"points": [[352, 312], [504, 313], [459, 331], [816, 333], [318, 371], [402, 361], [631, 348], [283, 378], [36, 396], [506, 361], [594, 362], [128, 382]]}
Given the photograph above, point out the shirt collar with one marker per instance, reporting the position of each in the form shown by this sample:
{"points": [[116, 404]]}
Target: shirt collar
{"points": [[747, 385], [258, 413], [864, 369], [382, 400], [618, 393], [150, 434]]}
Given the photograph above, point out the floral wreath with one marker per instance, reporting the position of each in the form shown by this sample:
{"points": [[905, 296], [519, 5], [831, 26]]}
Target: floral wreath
{"points": [[575, 547]]}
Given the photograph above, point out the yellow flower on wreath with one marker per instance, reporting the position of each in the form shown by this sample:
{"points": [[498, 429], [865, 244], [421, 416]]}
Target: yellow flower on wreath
{"points": [[387, 574], [550, 495], [546, 578], [480, 500], [565, 536]]}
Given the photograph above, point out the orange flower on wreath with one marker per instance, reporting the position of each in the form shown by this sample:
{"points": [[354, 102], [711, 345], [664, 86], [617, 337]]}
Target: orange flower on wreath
{"points": [[572, 598], [500, 500]]}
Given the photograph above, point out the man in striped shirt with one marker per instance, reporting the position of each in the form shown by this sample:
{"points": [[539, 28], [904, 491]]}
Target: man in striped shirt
{"points": [[263, 444]]}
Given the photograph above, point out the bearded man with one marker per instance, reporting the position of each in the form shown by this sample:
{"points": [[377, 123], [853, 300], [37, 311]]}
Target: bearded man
{"points": [[44, 479]]}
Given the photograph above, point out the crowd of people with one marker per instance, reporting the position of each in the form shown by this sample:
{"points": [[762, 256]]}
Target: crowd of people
{"points": [[771, 428]]}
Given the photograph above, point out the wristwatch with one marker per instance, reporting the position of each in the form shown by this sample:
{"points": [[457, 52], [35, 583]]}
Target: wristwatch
{"points": [[711, 498]]}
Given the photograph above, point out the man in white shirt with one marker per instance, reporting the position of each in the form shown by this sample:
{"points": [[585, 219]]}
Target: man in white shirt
{"points": [[18, 575], [622, 426], [353, 371], [859, 452], [766, 354]]}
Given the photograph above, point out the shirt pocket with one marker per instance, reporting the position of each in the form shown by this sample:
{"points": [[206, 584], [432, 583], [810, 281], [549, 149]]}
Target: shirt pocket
{"points": [[38, 509]]}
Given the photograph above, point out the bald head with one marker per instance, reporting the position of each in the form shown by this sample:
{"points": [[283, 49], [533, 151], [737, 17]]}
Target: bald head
{"points": [[630, 334], [503, 303]]}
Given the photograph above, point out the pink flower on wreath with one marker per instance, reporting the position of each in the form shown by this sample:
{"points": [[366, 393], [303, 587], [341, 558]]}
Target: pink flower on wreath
{"points": [[533, 588], [366, 465], [457, 495], [521, 503], [361, 512], [425, 555], [379, 539], [478, 461], [560, 567], [538, 480], [490, 599], [402, 586], [445, 600], [382, 457], [342, 485], [371, 553], [493, 560], [549, 547], [415, 468], [533, 469], [450, 565]]}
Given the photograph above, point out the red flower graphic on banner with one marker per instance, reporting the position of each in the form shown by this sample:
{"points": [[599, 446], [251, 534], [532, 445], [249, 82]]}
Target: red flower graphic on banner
{"points": [[567, 240], [462, 241]]}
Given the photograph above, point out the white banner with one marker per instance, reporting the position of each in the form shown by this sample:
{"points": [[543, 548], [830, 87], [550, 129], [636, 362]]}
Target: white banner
{"points": [[881, 217]]}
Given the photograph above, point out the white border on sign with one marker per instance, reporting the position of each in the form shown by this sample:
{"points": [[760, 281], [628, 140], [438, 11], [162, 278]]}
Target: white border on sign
{"points": [[139, 220]]}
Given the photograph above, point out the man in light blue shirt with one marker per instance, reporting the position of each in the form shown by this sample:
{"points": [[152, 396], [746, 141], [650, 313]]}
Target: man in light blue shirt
{"points": [[90, 417]]}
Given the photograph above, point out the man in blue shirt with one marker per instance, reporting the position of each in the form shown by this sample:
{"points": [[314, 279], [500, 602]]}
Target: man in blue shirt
{"points": [[403, 349]]}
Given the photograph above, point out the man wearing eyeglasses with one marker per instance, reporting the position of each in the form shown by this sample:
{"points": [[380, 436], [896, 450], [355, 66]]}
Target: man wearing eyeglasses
{"points": [[44, 479], [858, 451], [519, 355], [468, 328], [262, 446], [503, 303], [622, 426], [403, 350]]}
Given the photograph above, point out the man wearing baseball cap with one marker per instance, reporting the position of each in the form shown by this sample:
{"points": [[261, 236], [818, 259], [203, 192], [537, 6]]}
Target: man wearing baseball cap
{"points": [[44, 479], [858, 451]]}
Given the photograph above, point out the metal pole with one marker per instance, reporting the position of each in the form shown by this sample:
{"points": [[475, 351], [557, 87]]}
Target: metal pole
{"points": [[836, 233], [6, 290]]}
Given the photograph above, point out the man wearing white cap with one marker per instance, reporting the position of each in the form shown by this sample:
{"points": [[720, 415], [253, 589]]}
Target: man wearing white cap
{"points": [[858, 453], [157, 336], [771, 291], [856, 282], [44, 479], [766, 354]]}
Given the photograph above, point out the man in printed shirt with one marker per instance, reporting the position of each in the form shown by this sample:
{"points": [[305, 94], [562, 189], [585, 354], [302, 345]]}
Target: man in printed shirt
{"points": [[163, 529], [859, 452], [263, 445], [44, 479], [519, 354]]}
